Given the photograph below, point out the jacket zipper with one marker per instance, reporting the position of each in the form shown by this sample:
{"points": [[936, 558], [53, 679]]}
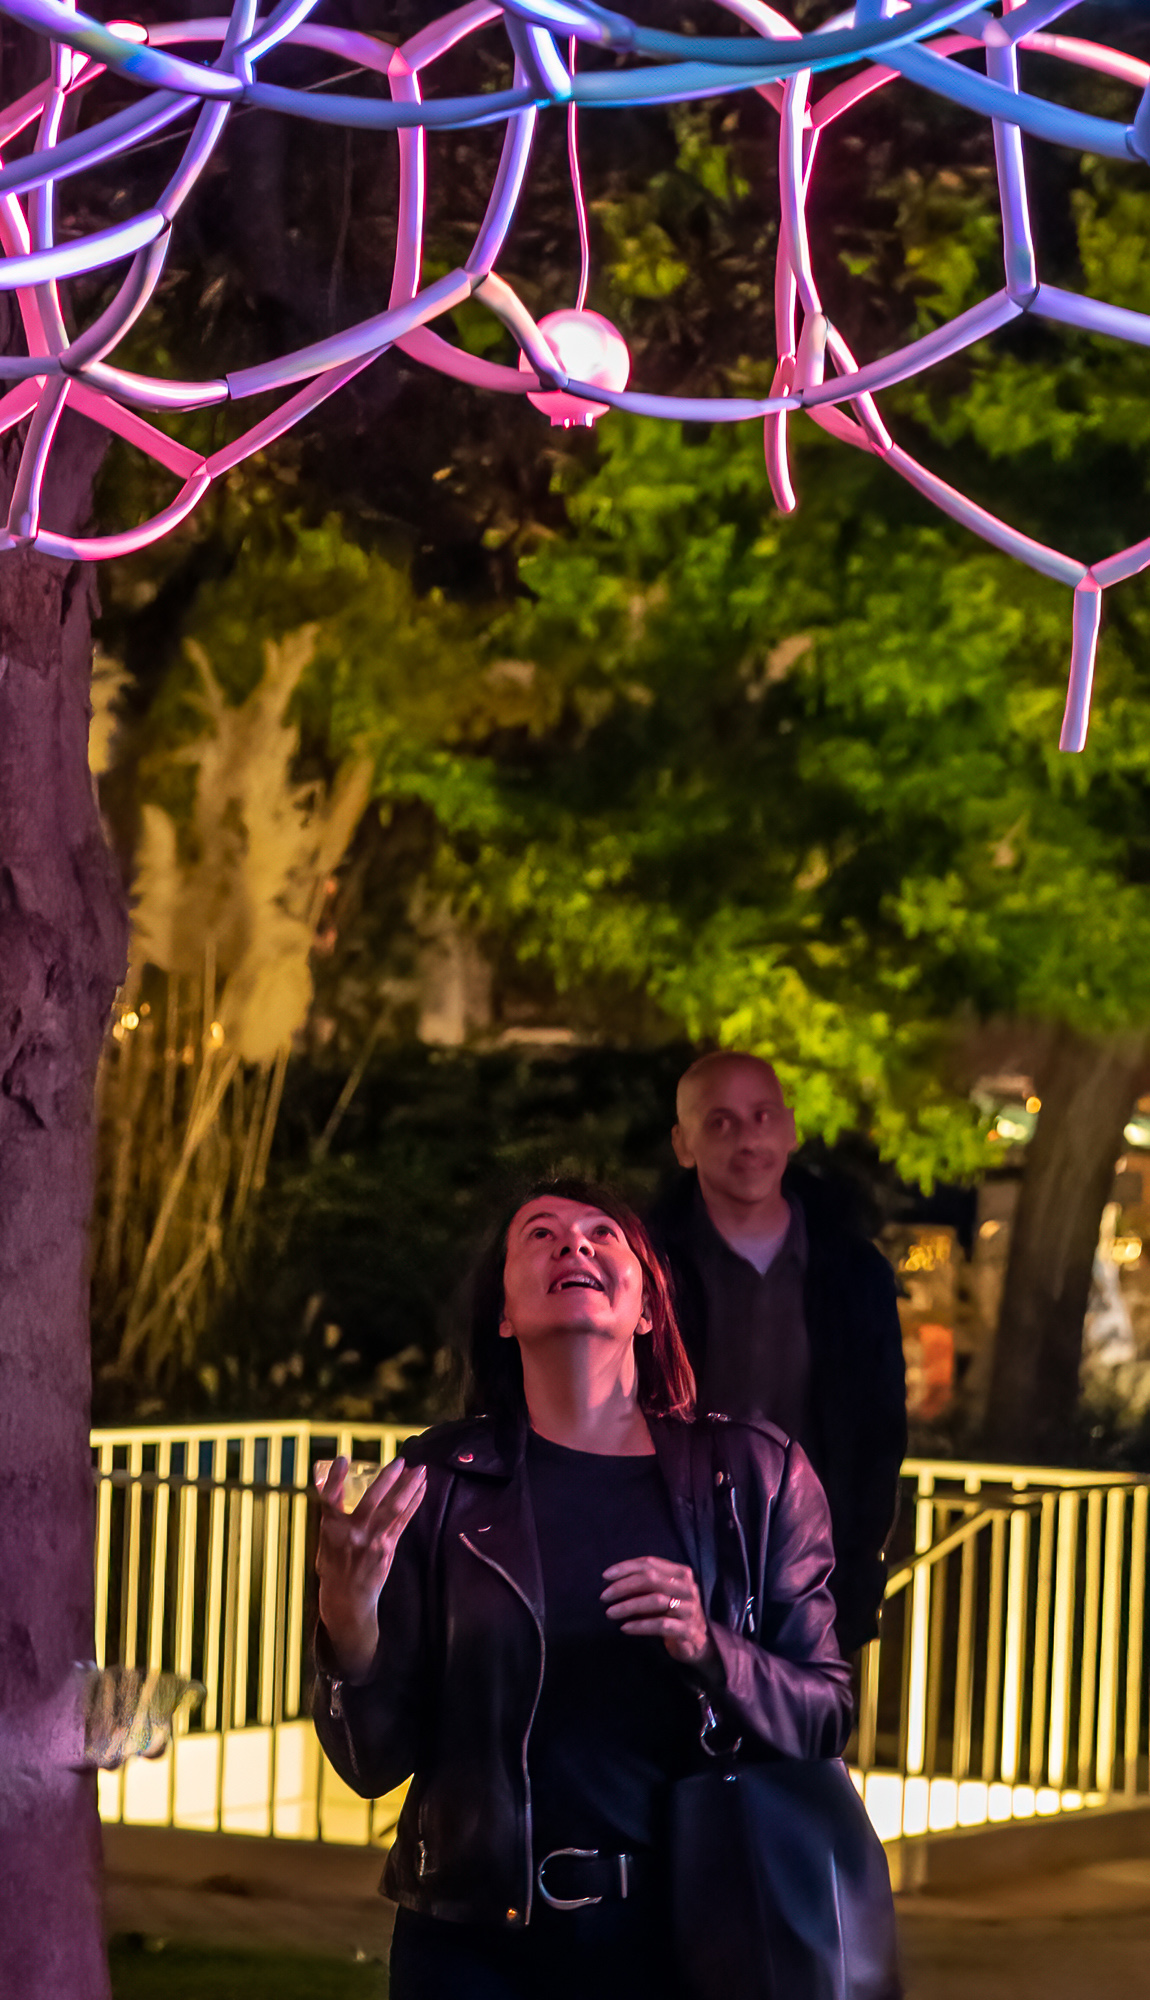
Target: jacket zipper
{"points": [[747, 1621], [508, 1579], [336, 1710]]}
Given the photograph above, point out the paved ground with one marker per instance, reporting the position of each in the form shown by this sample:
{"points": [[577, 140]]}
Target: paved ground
{"points": [[1081, 1934]]}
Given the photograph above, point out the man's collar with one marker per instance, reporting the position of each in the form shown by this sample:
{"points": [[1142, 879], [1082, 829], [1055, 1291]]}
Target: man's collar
{"points": [[708, 1236]]}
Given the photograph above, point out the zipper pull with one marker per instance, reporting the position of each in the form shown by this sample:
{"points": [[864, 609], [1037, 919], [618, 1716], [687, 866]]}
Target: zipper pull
{"points": [[335, 1700]]}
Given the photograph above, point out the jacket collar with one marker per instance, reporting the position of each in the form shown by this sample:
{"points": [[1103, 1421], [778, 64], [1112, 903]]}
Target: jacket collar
{"points": [[490, 1448], [478, 1447]]}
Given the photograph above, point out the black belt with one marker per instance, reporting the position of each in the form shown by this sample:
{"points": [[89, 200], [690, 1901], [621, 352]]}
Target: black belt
{"points": [[571, 1878]]}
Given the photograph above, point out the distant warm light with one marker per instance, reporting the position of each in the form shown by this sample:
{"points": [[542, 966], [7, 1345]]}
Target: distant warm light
{"points": [[1034, 1106], [216, 1034], [131, 1019], [989, 1229], [590, 349], [1009, 1128], [1126, 1250]]}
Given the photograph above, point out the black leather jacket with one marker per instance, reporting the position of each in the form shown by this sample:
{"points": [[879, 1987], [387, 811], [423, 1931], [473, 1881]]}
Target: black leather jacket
{"points": [[452, 1691]]}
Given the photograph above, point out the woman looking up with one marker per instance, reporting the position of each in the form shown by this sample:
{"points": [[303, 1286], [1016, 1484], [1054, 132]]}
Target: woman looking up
{"points": [[513, 1617]]}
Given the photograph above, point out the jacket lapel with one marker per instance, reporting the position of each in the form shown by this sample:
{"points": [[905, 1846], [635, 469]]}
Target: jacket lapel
{"points": [[685, 1463], [492, 1517]]}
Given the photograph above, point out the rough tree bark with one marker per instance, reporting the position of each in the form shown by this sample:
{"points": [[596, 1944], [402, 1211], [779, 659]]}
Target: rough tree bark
{"points": [[63, 935], [1088, 1088]]}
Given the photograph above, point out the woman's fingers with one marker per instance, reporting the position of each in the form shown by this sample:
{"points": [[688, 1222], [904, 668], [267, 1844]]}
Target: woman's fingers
{"points": [[652, 1604], [386, 1480], [647, 1575], [407, 1497], [330, 1493], [649, 1598]]}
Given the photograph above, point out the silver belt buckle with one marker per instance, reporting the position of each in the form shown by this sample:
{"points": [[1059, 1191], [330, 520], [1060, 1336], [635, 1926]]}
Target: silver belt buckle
{"points": [[579, 1902]]}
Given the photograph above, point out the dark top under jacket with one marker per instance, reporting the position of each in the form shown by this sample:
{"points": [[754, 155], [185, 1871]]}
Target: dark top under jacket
{"points": [[855, 1428], [452, 1694], [617, 1716]]}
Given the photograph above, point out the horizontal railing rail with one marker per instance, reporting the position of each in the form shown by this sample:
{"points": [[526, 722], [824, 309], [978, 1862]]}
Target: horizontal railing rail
{"points": [[1009, 1678]]}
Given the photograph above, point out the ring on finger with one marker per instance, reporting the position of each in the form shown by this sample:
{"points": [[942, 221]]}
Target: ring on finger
{"points": [[673, 1603]]}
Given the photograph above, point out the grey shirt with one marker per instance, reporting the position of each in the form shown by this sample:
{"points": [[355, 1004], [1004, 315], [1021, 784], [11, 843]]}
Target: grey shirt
{"points": [[757, 1356]]}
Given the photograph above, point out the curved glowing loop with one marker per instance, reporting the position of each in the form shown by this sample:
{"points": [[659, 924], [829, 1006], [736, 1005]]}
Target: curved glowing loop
{"points": [[573, 366]]}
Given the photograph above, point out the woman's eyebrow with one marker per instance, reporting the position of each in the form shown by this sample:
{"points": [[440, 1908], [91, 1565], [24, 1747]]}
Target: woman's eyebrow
{"points": [[541, 1215]]}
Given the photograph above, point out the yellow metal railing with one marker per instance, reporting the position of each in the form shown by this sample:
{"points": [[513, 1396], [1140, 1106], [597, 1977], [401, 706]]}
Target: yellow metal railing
{"points": [[1009, 1680], [1010, 1677], [203, 1563]]}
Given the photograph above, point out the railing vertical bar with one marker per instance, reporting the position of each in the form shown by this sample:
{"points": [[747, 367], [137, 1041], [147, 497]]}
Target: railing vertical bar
{"points": [[991, 1700], [1132, 1740], [243, 1574], [214, 1714], [187, 1528], [103, 1576], [868, 1703], [269, 1619], [130, 1595], [282, 1505], [917, 1694], [1062, 1666], [1090, 1608], [964, 1668], [1041, 1672], [297, 1586], [157, 1600], [1018, 1576], [1111, 1638], [939, 1580]]}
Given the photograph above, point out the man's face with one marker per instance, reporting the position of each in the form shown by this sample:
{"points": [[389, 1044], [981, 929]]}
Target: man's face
{"points": [[737, 1130]]}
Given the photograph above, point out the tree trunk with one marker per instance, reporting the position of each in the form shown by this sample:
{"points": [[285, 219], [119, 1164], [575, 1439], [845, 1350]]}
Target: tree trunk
{"points": [[63, 935], [1088, 1090]]}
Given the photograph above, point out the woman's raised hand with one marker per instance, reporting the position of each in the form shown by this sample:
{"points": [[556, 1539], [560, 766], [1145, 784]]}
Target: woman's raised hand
{"points": [[651, 1598], [355, 1555]]}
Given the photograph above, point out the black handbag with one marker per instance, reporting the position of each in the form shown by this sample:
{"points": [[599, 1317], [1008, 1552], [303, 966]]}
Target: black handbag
{"points": [[779, 1883], [780, 1887]]}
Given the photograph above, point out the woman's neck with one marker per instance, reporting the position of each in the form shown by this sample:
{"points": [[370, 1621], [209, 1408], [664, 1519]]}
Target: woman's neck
{"points": [[587, 1407]]}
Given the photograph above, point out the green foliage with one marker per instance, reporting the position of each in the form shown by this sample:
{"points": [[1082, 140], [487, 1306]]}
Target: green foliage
{"points": [[804, 790], [143, 1967]]}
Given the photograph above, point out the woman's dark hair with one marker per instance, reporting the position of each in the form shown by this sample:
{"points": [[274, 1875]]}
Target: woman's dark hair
{"points": [[495, 1373]]}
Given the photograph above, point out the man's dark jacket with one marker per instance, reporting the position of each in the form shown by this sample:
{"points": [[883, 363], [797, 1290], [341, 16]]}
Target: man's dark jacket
{"points": [[857, 1422], [452, 1692]]}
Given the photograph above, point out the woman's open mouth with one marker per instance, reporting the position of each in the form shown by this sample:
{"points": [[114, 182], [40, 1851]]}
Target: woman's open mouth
{"points": [[582, 1281]]}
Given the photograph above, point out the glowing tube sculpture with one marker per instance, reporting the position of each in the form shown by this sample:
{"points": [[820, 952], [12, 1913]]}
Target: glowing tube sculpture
{"points": [[572, 365]]}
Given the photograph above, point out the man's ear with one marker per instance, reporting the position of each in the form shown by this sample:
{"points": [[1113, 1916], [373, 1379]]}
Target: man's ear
{"points": [[683, 1152], [506, 1330]]}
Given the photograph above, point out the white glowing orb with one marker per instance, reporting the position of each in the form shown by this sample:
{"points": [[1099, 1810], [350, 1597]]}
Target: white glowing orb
{"points": [[588, 347]]}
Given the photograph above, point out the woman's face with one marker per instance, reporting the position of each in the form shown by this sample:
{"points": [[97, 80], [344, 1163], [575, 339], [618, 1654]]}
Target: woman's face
{"points": [[570, 1268]]}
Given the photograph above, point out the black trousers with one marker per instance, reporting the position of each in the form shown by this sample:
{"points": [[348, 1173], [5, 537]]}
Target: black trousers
{"points": [[612, 1951]]}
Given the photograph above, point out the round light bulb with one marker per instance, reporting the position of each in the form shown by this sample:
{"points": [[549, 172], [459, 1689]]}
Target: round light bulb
{"points": [[588, 347]]}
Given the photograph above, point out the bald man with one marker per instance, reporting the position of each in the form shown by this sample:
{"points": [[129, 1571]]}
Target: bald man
{"points": [[788, 1315]]}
